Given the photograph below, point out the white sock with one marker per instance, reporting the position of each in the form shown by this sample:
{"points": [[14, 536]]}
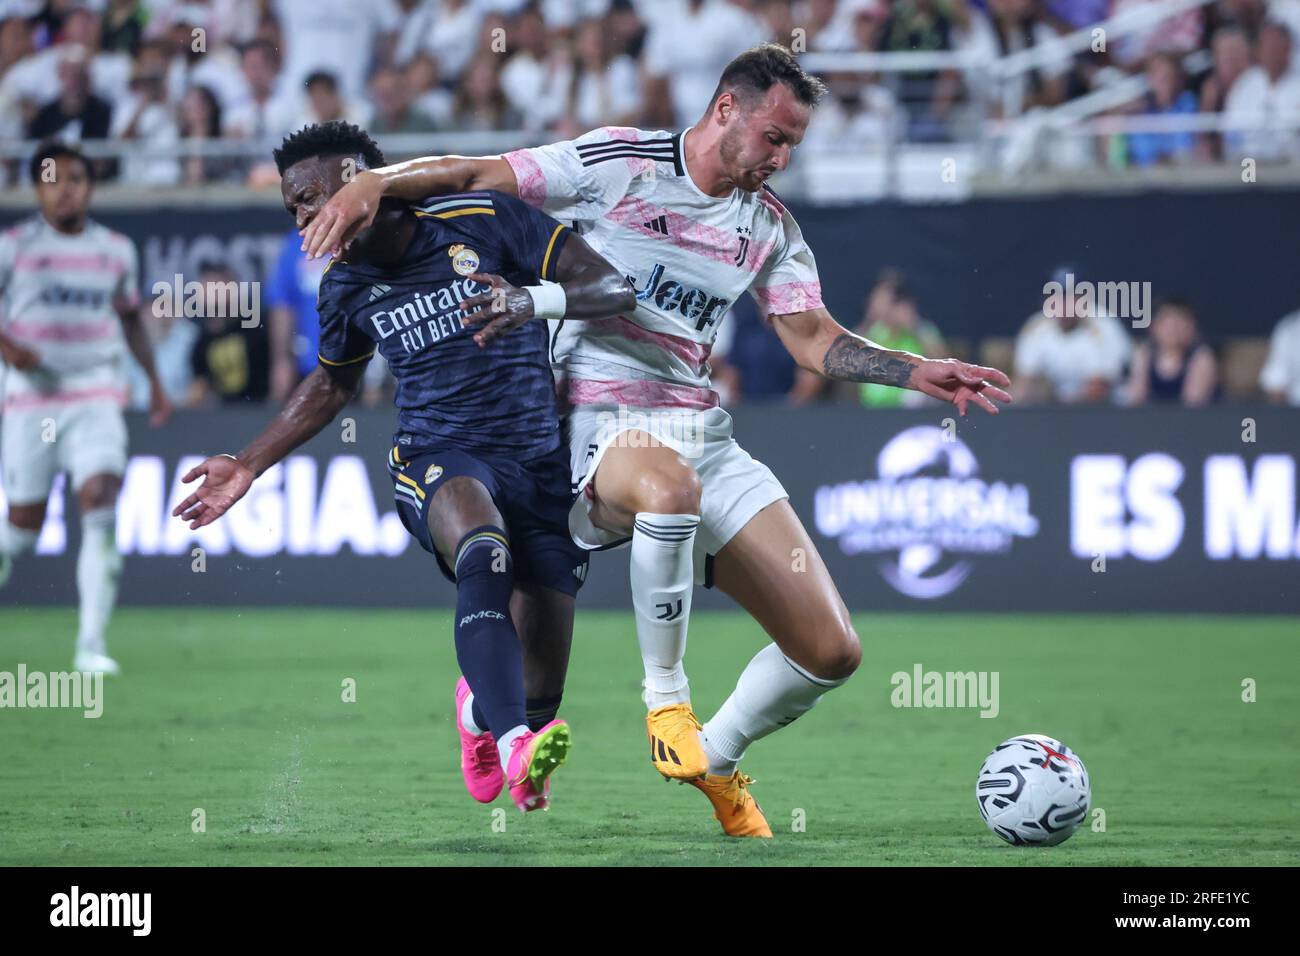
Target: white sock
{"points": [[504, 742], [15, 541], [98, 567], [772, 692], [467, 717], [663, 576]]}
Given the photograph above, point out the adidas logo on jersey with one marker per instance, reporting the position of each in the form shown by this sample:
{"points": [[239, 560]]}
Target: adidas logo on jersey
{"points": [[379, 290], [659, 224]]}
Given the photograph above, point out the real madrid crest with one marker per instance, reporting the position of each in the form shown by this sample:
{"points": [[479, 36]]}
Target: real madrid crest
{"points": [[432, 474], [463, 260]]}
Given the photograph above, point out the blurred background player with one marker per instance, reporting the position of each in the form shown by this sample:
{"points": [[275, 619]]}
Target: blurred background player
{"points": [[69, 288], [481, 475]]}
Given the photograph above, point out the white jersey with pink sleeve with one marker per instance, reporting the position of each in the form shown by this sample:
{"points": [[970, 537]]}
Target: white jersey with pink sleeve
{"points": [[60, 296], [689, 255]]}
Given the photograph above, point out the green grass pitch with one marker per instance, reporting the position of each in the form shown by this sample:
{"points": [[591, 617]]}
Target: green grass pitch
{"points": [[240, 713]]}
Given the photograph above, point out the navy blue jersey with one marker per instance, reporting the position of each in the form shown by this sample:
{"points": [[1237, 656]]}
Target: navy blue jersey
{"points": [[498, 400]]}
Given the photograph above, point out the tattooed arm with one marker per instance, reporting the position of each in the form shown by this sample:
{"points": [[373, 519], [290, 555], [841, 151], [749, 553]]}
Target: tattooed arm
{"points": [[820, 344]]}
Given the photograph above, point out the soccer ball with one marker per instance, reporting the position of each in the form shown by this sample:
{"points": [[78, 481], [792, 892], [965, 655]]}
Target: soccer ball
{"points": [[1033, 791]]}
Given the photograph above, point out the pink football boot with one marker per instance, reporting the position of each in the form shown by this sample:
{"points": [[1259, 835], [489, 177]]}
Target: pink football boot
{"points": [[480, 763], [533, 758]]}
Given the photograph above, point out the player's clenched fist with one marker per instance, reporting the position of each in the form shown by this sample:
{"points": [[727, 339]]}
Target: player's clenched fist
{"points": [[225, 481]]}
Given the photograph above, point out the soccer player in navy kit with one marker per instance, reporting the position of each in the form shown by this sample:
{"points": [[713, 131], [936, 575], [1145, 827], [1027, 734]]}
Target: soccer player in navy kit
{"points": [[445, 291]]}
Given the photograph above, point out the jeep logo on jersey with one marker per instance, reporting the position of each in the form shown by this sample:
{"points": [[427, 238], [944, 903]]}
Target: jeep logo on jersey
{"points": [[71, 296], [694, 304]]}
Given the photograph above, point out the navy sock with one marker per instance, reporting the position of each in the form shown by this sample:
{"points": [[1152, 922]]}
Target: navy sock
{"points": [[487, 647], [480, 719], [542, 710]]}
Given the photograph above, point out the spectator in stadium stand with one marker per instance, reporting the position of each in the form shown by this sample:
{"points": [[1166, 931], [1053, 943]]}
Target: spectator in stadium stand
{"points": [[289, 293], [390, 95], [1173, 366], [1280, 377], [480, 103], [123, 26], [196, 56], [339, 36], [325, 103], [15, 39], [453, 40], [200, 121], [1066, 16], [260, 114], [1018, 25], [927, 96], [147, 120], [600, 89], [529, 78], [891, 319], [1266, 93], [1230, 57], [32, 81], [1248, 15], [755, 366], [1070, 353], [1181, 33], [76, 114], [230, 363], [626, 29], [1168, 96], [688, 44]]}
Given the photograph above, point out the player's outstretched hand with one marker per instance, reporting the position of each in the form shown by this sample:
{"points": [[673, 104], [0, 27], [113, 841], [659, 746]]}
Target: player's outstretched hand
{"points": [[502, 307], [347, 212], [19, 357], [961, 384], [225, 481]]}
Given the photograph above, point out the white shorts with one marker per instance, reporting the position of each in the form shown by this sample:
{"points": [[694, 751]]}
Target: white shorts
{"points": [[735, 487], [81, 438]]}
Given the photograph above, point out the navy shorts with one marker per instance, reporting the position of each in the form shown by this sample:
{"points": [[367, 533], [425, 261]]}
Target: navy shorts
{"points": [[532, 496]]}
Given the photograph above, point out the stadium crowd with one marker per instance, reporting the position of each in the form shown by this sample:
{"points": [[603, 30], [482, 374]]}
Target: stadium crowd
{"points": [[168, 74]]}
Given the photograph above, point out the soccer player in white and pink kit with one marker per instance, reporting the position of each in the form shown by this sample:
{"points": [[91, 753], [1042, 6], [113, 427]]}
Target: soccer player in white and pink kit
{"points": [[689, 219], [69, 289]]}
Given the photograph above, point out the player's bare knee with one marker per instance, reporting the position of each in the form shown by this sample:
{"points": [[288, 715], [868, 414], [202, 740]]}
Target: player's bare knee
{"points": [[669, 489], [838, 655], [99, 491], [27, 517]]}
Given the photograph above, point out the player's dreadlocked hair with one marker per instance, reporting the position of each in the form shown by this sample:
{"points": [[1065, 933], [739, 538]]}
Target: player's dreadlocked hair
{"points": [[335, 138], [754, 71]]}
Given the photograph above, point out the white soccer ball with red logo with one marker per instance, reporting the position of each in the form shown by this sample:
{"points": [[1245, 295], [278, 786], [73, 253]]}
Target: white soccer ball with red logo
{"points": [[1033, 791]]}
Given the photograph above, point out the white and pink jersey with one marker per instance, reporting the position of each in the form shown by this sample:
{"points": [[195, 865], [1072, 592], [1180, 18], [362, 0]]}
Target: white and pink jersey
{"points": [[60, 295], [689, 256]]}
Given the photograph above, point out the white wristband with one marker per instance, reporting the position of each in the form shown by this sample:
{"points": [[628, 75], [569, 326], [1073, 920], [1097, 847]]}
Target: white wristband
{"points": [[549, 301]]}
